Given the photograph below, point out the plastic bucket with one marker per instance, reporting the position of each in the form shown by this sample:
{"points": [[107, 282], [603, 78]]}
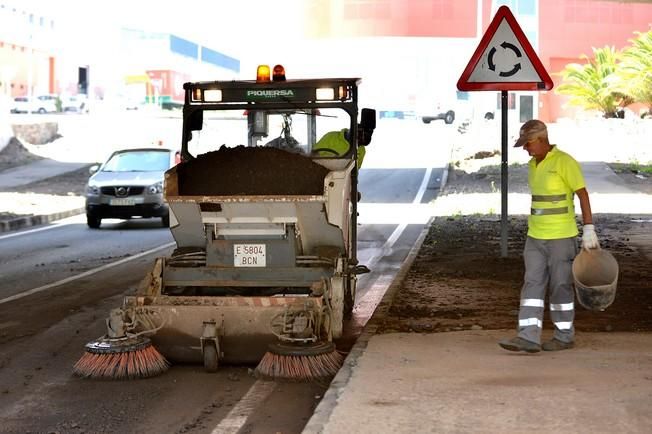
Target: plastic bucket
{"points": [[595, 273]]}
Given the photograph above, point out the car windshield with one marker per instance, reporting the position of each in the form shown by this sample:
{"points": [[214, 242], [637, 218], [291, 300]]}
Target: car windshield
{"points": [[138, 161]]}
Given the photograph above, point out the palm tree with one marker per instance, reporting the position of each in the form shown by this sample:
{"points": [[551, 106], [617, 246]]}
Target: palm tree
{"points": [[635, 70], [592, 85]]}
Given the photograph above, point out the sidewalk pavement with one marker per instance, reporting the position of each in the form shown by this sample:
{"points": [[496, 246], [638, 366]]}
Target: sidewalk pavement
{"points": [[463, 382], [35, 171], [21, 210]]}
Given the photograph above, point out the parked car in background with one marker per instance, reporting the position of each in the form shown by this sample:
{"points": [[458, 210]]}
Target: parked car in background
{"points": [[445, 113], [129, 184], [37, 104], [459, 106], [75, 104]]}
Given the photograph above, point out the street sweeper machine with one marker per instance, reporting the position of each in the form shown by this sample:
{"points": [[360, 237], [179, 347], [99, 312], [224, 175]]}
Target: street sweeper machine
{"points": [[263, 212]]}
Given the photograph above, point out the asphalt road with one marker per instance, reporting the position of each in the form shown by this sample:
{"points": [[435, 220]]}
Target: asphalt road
{"points": [[75, 275]]}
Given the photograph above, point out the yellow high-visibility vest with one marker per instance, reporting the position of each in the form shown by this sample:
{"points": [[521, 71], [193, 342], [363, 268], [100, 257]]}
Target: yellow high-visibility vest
{"points": [[553, 183], [336, 140]]}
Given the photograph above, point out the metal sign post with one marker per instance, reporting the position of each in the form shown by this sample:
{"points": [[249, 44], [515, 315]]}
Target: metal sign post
{"points": [[504, 60], [504, 232]]}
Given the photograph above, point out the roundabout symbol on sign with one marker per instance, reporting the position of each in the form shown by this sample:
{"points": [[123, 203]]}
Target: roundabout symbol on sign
{"points": [[504, 60], [492, 65]]}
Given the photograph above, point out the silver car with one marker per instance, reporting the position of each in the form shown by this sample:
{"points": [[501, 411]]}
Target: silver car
{"points": [[129, 184]]}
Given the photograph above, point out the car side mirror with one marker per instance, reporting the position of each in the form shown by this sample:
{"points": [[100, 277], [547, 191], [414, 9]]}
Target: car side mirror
{"points": [[94, 168]]}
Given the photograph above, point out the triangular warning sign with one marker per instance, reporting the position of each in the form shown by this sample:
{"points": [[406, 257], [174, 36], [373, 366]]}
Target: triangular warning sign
{"points": [[504, 59]]}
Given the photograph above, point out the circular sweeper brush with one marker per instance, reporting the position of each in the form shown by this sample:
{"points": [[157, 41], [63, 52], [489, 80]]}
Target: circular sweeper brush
{"points": [[299, 361], [123, 358]]}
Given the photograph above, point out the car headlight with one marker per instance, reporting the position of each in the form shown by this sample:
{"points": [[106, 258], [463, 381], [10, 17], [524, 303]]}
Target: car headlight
{"points": [[92, 189], [156, 188]]}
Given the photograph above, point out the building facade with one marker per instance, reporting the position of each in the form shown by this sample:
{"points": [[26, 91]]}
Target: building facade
{"points": [[47, 52], [447, 31]]}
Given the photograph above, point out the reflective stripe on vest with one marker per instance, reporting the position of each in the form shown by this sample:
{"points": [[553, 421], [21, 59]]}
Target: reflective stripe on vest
{"points": [[548, 197], [549, 211]]}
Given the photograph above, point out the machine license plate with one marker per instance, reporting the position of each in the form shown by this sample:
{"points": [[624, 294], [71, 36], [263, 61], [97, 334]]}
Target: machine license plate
{"points": [[125, 201], [249, 255]]}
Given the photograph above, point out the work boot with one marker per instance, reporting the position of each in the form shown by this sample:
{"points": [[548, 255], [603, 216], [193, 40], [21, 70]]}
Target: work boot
{"points": [[557, 345], [520, 344]]}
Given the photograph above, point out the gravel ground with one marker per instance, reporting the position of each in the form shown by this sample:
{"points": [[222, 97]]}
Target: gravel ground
{"points": [[459, 281]]}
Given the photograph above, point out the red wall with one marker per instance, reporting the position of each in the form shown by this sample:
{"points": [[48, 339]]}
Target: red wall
{"points": [[570, 28], [346, 18]]}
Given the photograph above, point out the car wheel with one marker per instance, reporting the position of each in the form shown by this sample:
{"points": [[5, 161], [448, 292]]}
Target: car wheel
{"points": [[165, 220], [489, 116], [41, 110], [93, 221], [426, 121], [449, 118]]}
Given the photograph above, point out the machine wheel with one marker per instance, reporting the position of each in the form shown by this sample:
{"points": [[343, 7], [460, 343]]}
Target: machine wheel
{"points": [[165, 220], [449, 118], [349, 298], [211, 362], [93, 221]]}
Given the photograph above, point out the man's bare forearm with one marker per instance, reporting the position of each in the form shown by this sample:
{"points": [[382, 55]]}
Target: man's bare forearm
{"points": [[585, 204]]}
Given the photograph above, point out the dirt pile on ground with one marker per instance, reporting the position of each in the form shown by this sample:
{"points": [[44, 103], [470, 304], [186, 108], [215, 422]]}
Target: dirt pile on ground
{"points": [[459, 281], [15, 154], [251, 171]]}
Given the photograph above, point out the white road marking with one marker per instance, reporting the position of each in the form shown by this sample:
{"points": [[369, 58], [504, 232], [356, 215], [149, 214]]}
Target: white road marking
{"points": [[373, 296], [387, 247], [56, 224], [84, 274], [239, 414]]}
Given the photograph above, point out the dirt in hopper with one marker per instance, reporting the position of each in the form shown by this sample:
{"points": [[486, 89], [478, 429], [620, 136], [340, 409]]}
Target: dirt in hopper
{"points": [[251, 171]]}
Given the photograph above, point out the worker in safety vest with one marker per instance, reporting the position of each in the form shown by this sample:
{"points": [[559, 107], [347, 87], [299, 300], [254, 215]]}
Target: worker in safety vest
{"points": [[554, 178], [337, 143]]}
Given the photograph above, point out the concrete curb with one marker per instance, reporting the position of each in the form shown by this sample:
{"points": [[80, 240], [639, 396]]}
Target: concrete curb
{"points": [[35, 220], [323, 412]]}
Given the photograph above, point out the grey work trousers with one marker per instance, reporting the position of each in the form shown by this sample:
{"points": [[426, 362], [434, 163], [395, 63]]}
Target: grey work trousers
{"points": [[548, 264]]}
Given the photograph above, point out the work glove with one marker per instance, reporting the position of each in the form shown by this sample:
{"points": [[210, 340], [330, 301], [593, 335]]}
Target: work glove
{"points": [[589, 238]]}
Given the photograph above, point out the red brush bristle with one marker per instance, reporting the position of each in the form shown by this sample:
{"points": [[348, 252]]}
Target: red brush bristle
{"points": [[298, 368], [140, 363]]}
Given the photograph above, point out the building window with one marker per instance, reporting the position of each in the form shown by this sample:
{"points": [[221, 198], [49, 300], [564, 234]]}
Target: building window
{"points": [[462, 96], [526, 7], [511, 101]]}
